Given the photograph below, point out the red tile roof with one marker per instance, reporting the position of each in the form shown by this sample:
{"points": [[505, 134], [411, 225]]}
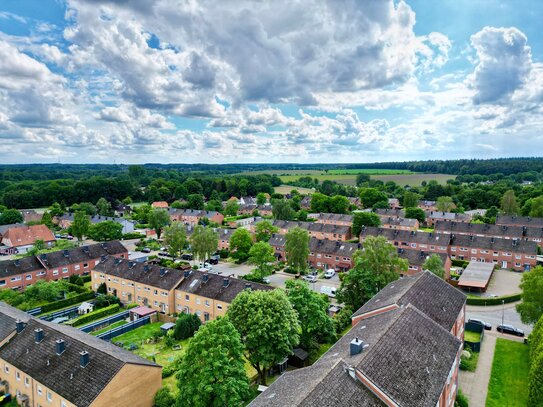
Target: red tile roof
{"points": [[27, 235]]}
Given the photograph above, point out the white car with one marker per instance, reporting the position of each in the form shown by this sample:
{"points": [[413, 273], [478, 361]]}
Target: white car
{"points": [[329, 291], [310, 278], [329, 273], [206, 265]]}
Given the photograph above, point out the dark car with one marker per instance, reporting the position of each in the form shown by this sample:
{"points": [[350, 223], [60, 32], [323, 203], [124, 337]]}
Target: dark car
{"points": [[164, 254], [146, 250], [510, 329], [213, 261], [486, 325], [187, 256]]}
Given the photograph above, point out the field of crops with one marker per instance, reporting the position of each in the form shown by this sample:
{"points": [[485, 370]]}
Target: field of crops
{"points": [[414, 179], [368, 171], [285, 189]]}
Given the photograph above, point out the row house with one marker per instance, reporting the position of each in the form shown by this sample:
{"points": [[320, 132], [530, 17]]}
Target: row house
{"points": [[192, 216], [148, 285], [18, 274], [224, 238], [209, 295], [21, 238], [390, 213], [394, 203], [534, 234], [411, 240], [246, 223], [332, 219], [427, 205], [305, 203], [249, 209], [413, 325], [520, 255], [46, 364], [389, 222], [434, 216], [417, 258], [514, 220], [66, 220], [316, 230]]}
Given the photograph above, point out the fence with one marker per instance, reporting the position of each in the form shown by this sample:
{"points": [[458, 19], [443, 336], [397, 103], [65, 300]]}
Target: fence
{"points": [[67, 312], [34, 311], [478, 328], [109, 335], [93, 326]]}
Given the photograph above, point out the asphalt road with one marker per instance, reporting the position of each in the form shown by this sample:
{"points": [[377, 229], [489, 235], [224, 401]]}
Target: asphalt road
{"points": [[493, 314]]}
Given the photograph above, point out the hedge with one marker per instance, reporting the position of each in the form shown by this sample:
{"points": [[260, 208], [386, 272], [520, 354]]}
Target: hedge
{"points": [[493, 301], [133, 235], [459, 263], [87, 278], [52, 306], [94, 315]]}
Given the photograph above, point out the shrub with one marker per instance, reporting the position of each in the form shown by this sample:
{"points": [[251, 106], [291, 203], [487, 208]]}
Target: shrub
{"points": [[67, 302], [186, 325], [106, 300], [536, 378], [343, 319], [461, 400], [94, 315], [493, 301], [459, 263], [133, 235], [102, 289], [164, 398], [76, 280]]}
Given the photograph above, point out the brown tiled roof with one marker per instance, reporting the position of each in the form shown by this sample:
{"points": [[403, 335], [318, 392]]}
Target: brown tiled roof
{"points": [[406, 236], [159, 204], [419, 257], [27, 235], [81, 254]]}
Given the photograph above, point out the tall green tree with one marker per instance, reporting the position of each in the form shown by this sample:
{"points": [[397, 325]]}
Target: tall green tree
{"points": [[297, 248], [158, 219], [195, 201], [211, 371], [80, 226], [264, 230], [262, 255], [240, 244], [105, 231], [509, 204], [175, 238], [371, 196], [103, 207], [445, 204], [361, 179], [415, 213], [536, 210], [410, 199], [204, 242], [312, 309], [531, 306], [10, 216], [361, 219], [435, 265], [320, 203], [56, 209], [374, 267], [231, 208], [282, 210], [268, 326], [47, 219], [261, 198], [339, 204]]}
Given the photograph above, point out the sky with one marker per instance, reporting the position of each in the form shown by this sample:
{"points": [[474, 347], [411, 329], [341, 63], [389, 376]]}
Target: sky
{"points": [[294, 81]]}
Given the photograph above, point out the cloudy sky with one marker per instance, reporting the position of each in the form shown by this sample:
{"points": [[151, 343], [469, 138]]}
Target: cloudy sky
{"points": [[135, 81]]}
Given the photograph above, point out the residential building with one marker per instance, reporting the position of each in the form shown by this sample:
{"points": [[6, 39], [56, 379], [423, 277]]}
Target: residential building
{"points": [[19, 239], [18, 274], [209, 295], [66, 220], [144, 284], [433, 216], [514, 220], [160, 204], [417, 258], [473, 212], [428, 205], [246, 223], [390, 213], [394, 203], [516, 254], [192, 216], [412, 240], [393, 222], [333, 219], [305, 203], [224, 238], [45, 364], [249, 209], [316, 230], [403, 350], [122, 210], [355, 201]]}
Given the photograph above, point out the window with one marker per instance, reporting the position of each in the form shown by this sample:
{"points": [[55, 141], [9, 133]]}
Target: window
{"points": [[123, 282], [507, 254], [219, 306], [85, 265], [197, 300], [207, 303], [18, 376], [413, 245], [206, 316], [164, 293], [27, 381], [2, 283], [187, 297], [49, 396], [18, 278], [156, 303], [453, 249], [64, 270], [29, 276], [6, 369], [474, 251], [155, 292], [41, 273], [77, 267]]}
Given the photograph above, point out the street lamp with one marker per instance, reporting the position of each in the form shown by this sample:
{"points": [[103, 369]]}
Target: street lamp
{"points": [[503, 309]]}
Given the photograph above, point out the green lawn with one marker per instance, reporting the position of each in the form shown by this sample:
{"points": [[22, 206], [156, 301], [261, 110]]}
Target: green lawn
{"points": [[139, 334], [509, 378], [471, 336], [107, 328], [370, 171]]}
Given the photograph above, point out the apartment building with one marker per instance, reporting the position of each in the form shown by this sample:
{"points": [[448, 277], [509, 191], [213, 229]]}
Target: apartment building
{"points": [[417, 258], [434, 216], [144, 284], [316, 230], [192, 216], [411, 240], [209, 295], [390, 222], [333, 219], [514, 220], [18, 274], [44, 364], [413, 325], [249, 209]]}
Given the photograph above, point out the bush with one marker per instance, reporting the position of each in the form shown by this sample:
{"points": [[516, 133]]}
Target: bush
{"points": [[86, 278], [105, 301], [76, 280], [536, 378], [186, 325], [163, 398], [133, 235], [459, 263], [461, 400], [94, 315], [343, 319], [102, 289], [67, 302], [493, 301], [223, 253]]}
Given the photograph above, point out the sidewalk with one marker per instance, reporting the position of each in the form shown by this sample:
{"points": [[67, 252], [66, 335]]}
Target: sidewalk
{"points": [[475, 384]]}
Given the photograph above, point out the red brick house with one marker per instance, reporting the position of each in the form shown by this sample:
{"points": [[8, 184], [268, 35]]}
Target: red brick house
{"points": [[192, 216], [428, 205], [23, 238], [411, 240], [333, 219], [317, 230], [417, 258], [390, 222]]}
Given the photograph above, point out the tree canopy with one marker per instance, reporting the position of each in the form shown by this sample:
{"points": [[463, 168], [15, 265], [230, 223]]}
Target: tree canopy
{"points": [[240, 244], [158, 219], [297, 248], [204, 242], [262, 255], [175, 238], [531, 306]]}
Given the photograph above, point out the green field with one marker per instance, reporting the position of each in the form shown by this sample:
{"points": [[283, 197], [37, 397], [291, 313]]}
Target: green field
{"points": [[414, 179], [509, 378], [368, 171], [285, 189]]}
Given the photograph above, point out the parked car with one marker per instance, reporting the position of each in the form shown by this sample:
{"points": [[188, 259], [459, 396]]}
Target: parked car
{"points": [[329, 273], [69, 237], [146, 250], [206, 265], [329, 291], [510, 329], [186, 256], [213, 261], [266, 280], [486, 325], [310, 278]]}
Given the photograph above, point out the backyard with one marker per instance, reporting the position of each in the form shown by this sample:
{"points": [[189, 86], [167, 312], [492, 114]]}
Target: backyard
{"points": [[509, 378], [471, 336]]}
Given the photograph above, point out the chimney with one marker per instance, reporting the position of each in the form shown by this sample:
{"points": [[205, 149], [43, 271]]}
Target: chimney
{"points": [[146, 268], [205, 278], [86, 249], [247, 286], [162, 272], [17, 263], [357, 345], [225, 282], [66, 253], [19, 325], [60, 346], [186, 273], [83, 358], [38, 335]]}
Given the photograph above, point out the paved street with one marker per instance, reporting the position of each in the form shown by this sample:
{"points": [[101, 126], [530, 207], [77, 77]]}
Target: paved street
{"points": [[493, 314]]}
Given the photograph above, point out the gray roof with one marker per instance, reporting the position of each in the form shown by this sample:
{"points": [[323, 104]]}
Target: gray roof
{"points": [[459, 217], [98, 219], [63, 373], [398, 221], [312, 226], [406, 236], [490, 230], [476, 274], [80, 254], [519, 220], [8, 316], [192, 212], [214, 287], [324, 246], [335, 217], [14, 267], [492, 243], [390, 212], [418, 257], [149, 274], [430, 294], [4, 228]]}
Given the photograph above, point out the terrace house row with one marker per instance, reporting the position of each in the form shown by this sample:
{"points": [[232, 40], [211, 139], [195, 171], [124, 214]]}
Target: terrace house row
{"points": [[417, 258], [192, 216], [332, 219], [434, 216], [532, 233], [249, 209], [519, 221], [65, 221], [45, 364], [390, 222], [316, 230], [403, 350], [18, 274]]}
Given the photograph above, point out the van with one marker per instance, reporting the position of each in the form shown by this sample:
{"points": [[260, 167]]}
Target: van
{"points": [[329, 291]]}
